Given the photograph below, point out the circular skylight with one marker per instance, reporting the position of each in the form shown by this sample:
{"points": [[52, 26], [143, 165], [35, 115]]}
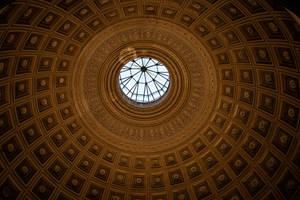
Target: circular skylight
{"points": [[144, 80]]}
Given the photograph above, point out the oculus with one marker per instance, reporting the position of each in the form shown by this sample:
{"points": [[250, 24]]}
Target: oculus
{"points": [[144, 81]]}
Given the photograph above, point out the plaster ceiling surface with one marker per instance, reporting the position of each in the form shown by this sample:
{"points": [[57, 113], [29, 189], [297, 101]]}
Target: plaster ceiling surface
{"points": [[228, 127]]}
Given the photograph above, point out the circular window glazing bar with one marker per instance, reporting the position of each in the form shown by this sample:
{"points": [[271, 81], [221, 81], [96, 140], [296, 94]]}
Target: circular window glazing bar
{"points": [[144, 80]]}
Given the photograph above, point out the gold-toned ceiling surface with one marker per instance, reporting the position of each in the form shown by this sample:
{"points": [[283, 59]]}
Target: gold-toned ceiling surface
{"points": [[228, 129]]}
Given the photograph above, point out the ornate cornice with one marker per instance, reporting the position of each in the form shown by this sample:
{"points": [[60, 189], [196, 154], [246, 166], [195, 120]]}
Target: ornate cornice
{"points": [[187, 107]]}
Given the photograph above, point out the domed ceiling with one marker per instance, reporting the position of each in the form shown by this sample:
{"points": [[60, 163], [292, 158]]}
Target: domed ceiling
{"points": [[227, 128]]}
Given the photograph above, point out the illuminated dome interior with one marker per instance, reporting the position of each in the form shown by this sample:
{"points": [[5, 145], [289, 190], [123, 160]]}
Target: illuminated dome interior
{"points": [[208, 109]]}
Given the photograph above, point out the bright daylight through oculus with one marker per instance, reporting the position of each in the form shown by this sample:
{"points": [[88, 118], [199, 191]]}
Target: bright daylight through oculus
{"points": [[144, 80]]}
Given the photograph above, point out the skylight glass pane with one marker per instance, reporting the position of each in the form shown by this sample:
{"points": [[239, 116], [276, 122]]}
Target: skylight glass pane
{"points": [[144, 80]]}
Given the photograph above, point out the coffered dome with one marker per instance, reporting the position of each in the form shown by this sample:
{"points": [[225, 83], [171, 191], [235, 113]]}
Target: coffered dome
{"points": [[152, 99]]}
